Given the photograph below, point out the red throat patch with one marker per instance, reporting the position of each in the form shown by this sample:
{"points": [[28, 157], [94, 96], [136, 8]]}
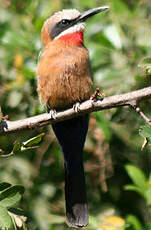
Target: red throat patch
{"points": [[75, 38]]}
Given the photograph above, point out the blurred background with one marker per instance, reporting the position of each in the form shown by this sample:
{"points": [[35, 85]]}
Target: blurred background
{"points": [[119, 44]]}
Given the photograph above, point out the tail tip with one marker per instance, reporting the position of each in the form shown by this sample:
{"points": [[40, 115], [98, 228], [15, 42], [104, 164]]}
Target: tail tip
{"points": [[78, 217], [76, 223]]}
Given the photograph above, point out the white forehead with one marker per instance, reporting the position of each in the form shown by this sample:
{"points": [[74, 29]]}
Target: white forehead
{"points": [[66, 14]]}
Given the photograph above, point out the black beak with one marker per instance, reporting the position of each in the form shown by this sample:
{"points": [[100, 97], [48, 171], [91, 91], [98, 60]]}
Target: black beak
{"points": [[86, 14]]}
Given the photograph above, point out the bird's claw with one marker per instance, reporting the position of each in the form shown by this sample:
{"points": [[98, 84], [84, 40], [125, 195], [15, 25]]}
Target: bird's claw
{"points": [[53, 113], [76, 107]]}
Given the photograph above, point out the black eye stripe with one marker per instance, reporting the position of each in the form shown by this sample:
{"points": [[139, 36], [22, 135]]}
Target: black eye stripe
{"points": [[60, 27]]}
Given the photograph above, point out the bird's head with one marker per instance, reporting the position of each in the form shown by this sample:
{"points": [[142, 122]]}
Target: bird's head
{"points": [[67, 25]]}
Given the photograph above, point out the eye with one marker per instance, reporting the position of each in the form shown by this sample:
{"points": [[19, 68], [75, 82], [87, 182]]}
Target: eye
{"points": [[65, 22]]}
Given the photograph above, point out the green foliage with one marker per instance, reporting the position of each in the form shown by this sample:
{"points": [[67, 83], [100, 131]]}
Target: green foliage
{"points": [[141, 185], [137, 176], [119, 45], [132, 223], [5, 219], [29, 144], [145, 132], [25, 145], [9, 197]]}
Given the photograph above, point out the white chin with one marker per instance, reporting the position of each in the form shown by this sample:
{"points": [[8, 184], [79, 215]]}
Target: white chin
{"points": [[76, 28]]}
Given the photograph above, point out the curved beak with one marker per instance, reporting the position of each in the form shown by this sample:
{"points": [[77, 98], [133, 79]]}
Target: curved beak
{"points": [[86, 14]]}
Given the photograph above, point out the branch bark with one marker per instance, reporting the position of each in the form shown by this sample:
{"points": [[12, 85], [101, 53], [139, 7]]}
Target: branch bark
{"points": [[127, 99]]}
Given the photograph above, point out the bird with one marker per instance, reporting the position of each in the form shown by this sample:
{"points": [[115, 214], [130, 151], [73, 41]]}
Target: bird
{"points": [[64, 80]]}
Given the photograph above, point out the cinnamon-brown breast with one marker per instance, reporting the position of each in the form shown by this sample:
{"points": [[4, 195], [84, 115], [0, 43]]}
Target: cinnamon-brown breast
{"points": [[64, 75]]}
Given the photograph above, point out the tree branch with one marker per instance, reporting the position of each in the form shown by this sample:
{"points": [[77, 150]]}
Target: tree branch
{"points": [[127, 99], [142, 115]]}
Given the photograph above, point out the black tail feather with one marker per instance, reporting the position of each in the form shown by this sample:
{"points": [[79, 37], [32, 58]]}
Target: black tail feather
{"points": [[71, 135], [76, 200]]}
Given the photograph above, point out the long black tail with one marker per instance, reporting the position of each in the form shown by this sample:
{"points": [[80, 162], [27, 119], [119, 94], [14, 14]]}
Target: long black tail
{"points": [[76, 201], [71, 135]]}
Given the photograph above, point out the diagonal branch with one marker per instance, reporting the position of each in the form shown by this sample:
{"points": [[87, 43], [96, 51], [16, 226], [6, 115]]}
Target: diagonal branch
{"points": [[127, 99]]}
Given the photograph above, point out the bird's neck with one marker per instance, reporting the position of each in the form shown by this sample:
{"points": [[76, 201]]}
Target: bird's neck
{"points": [[73, 38]]}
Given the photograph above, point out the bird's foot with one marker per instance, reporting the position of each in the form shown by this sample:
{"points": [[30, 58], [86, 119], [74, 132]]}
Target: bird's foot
{"points": [[53, 113], [76, 107], [97, 95]]}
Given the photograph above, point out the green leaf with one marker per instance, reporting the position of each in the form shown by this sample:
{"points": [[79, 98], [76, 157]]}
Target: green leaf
{"points": [[145, 132], [28, 148], [29, 74], [27, 145], [5, 219], [34, 140], [147, 194], [132, 221], [137, 176], [17, 147], [11, 196], [134, 188], [4, 185]]}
